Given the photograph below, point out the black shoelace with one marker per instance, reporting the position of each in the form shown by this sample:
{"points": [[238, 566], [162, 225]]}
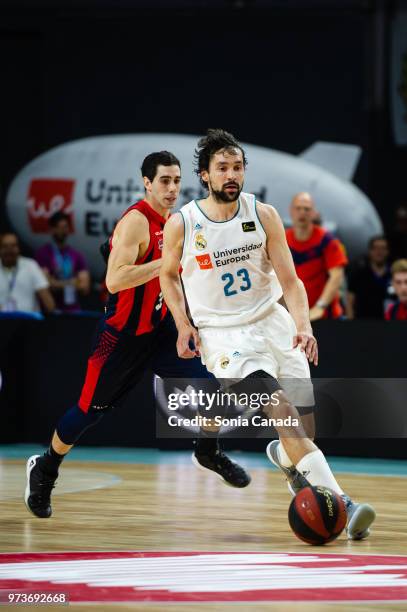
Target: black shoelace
{"points": [[43, 490]]}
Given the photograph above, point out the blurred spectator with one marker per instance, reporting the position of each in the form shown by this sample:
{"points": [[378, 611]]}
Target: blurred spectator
{"points": [[65, 267], [398, 236], [369, 282], [319, 259], [316, 217], [22, 282], [398, 310]]}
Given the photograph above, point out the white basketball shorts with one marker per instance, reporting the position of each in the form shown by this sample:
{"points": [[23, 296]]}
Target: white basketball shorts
{"points": [[236, 352]]}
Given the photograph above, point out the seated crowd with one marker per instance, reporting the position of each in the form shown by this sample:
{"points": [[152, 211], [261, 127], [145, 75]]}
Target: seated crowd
{"points": [[52, 282], [373, 286]]}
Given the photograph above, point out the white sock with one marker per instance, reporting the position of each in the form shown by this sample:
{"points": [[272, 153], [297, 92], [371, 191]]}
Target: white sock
{"points": [[283, 458], [316, 470]]}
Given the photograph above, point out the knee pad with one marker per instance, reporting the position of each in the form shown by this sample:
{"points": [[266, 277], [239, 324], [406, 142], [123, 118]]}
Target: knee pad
{"points": [[256, 384], [260, 374], [303, 410], [75, 422], [265, 383]]}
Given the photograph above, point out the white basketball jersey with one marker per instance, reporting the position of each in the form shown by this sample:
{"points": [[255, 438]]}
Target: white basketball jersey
{"points": [[228, 277]]}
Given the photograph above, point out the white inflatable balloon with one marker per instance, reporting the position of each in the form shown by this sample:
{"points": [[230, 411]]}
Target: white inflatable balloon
{"points": [[95, 179]]}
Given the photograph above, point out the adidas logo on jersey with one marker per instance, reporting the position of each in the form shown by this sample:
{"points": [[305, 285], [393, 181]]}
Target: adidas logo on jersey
{"points": [[204, 261], [198, 227]]}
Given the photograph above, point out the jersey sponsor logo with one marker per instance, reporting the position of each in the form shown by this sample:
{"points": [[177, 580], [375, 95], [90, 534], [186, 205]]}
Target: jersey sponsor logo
{"points": [[45, 198], [204, 261], [248, 226], [230, 260], [238, 250], [236, 354], [307, 576], [235, 255], [160, 240], [198, 226], [159, 302], [200, 242]]}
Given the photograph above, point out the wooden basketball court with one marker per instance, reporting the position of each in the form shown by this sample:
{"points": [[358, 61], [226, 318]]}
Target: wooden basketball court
{"points": [[168, 505]]}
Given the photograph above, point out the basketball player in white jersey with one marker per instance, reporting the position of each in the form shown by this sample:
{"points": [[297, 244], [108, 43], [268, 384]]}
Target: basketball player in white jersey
{"points": [[235, 266]]}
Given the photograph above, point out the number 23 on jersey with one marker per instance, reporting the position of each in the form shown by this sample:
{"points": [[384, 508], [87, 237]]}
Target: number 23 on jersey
{"points": [[244, 279]]}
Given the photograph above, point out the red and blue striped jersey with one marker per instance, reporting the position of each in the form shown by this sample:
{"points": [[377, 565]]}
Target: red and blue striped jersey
{"points": [[396, 312], [313, 258], [140, 309]]}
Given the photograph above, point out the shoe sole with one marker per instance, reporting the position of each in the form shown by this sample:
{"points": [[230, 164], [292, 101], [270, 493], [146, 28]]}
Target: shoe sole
{"points": [[271, 458], [360, 521], [27, 488], [204, 469]]}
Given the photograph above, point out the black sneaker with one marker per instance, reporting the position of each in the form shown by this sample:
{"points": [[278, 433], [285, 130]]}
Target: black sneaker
{"points": [[37, 495], [230, 472]]}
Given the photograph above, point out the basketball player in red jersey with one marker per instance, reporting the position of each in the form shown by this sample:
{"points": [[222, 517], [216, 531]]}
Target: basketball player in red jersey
{"points": [[135, 334]]}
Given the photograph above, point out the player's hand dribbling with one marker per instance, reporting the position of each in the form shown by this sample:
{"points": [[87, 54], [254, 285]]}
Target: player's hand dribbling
{"points": [[186, 334], [308, 343]]}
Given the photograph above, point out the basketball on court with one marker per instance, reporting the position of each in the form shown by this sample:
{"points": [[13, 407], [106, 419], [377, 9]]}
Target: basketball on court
{"points": [[317, 515]]}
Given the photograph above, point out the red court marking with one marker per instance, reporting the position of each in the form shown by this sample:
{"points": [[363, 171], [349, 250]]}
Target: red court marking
{"points": [[199, 577]]}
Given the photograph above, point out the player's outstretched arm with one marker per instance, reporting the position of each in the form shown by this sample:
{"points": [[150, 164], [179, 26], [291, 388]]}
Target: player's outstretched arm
{"points": [[171, 286], [294, 292], [130, 234]]}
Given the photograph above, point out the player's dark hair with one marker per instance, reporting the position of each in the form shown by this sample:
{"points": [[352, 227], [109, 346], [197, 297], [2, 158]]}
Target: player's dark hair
{"points": [[374, 239], [57, 217], [160, 158], [215, 140]]}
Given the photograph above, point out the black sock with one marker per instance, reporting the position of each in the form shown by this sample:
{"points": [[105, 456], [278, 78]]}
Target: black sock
{"points": [[50, 461], [207, 442]]}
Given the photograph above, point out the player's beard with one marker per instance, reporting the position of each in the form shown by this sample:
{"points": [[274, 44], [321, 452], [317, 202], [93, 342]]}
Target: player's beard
{"points": [[223, 197]]}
